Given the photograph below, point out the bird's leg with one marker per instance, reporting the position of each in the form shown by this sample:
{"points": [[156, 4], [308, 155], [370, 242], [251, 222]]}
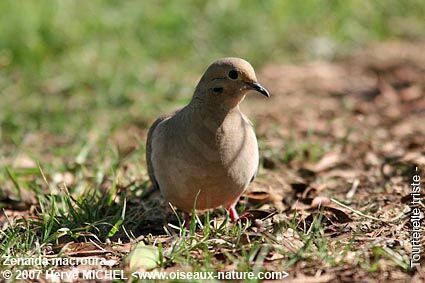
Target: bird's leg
{"points": [[234, 216], [187, 218]]}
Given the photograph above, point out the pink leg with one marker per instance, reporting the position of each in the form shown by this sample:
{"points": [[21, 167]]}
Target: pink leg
{"points": [[233, 213], [234, 217]]}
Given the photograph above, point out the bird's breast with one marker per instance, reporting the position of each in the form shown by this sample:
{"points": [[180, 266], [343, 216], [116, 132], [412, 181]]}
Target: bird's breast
{"points": [[218, 160]]}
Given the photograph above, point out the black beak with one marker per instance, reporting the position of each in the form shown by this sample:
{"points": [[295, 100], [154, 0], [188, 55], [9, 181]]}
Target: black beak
{"points": [[257, 87]]}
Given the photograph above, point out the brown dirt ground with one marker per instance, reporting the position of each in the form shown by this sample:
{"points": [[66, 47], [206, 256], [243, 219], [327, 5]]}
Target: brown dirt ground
{"points": [[365, 115], [367, 112], [356, 128]]}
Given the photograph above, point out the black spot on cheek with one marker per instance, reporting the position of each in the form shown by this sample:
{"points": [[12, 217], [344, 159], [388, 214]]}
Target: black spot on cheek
{"points": [[218, 89]]}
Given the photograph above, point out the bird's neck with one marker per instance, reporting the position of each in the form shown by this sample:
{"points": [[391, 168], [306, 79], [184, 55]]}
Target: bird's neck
{"points": [[212, 108]]}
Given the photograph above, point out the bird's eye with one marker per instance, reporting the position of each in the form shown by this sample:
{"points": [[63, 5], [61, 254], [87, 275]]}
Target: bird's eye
{"points": [[218, 89], [233, 74]]}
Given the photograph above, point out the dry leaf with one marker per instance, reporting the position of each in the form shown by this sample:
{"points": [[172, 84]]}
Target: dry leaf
{"points": [[327, 162], [320, 201]]}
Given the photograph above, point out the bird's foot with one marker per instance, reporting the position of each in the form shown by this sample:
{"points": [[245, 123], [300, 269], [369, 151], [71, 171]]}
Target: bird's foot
{"points": [[235, 217]]}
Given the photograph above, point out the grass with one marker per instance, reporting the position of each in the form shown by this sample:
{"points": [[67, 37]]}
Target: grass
{"points": [[91, 218], [80, 81]]}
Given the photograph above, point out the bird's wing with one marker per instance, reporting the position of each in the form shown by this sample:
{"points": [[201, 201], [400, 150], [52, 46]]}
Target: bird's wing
{"points": [[251, 126], [253, 177], [149, 150], [256, 170]]}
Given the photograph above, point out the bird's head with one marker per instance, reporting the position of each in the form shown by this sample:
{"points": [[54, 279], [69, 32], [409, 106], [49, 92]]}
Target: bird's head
{"points": [[227, 80]]}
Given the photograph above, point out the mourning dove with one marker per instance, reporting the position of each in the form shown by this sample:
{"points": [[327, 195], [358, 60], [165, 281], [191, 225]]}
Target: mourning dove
{"points": [[206, 154]]}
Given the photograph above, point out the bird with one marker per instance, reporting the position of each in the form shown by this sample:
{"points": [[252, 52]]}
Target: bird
{"points": [[205, 155]]}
